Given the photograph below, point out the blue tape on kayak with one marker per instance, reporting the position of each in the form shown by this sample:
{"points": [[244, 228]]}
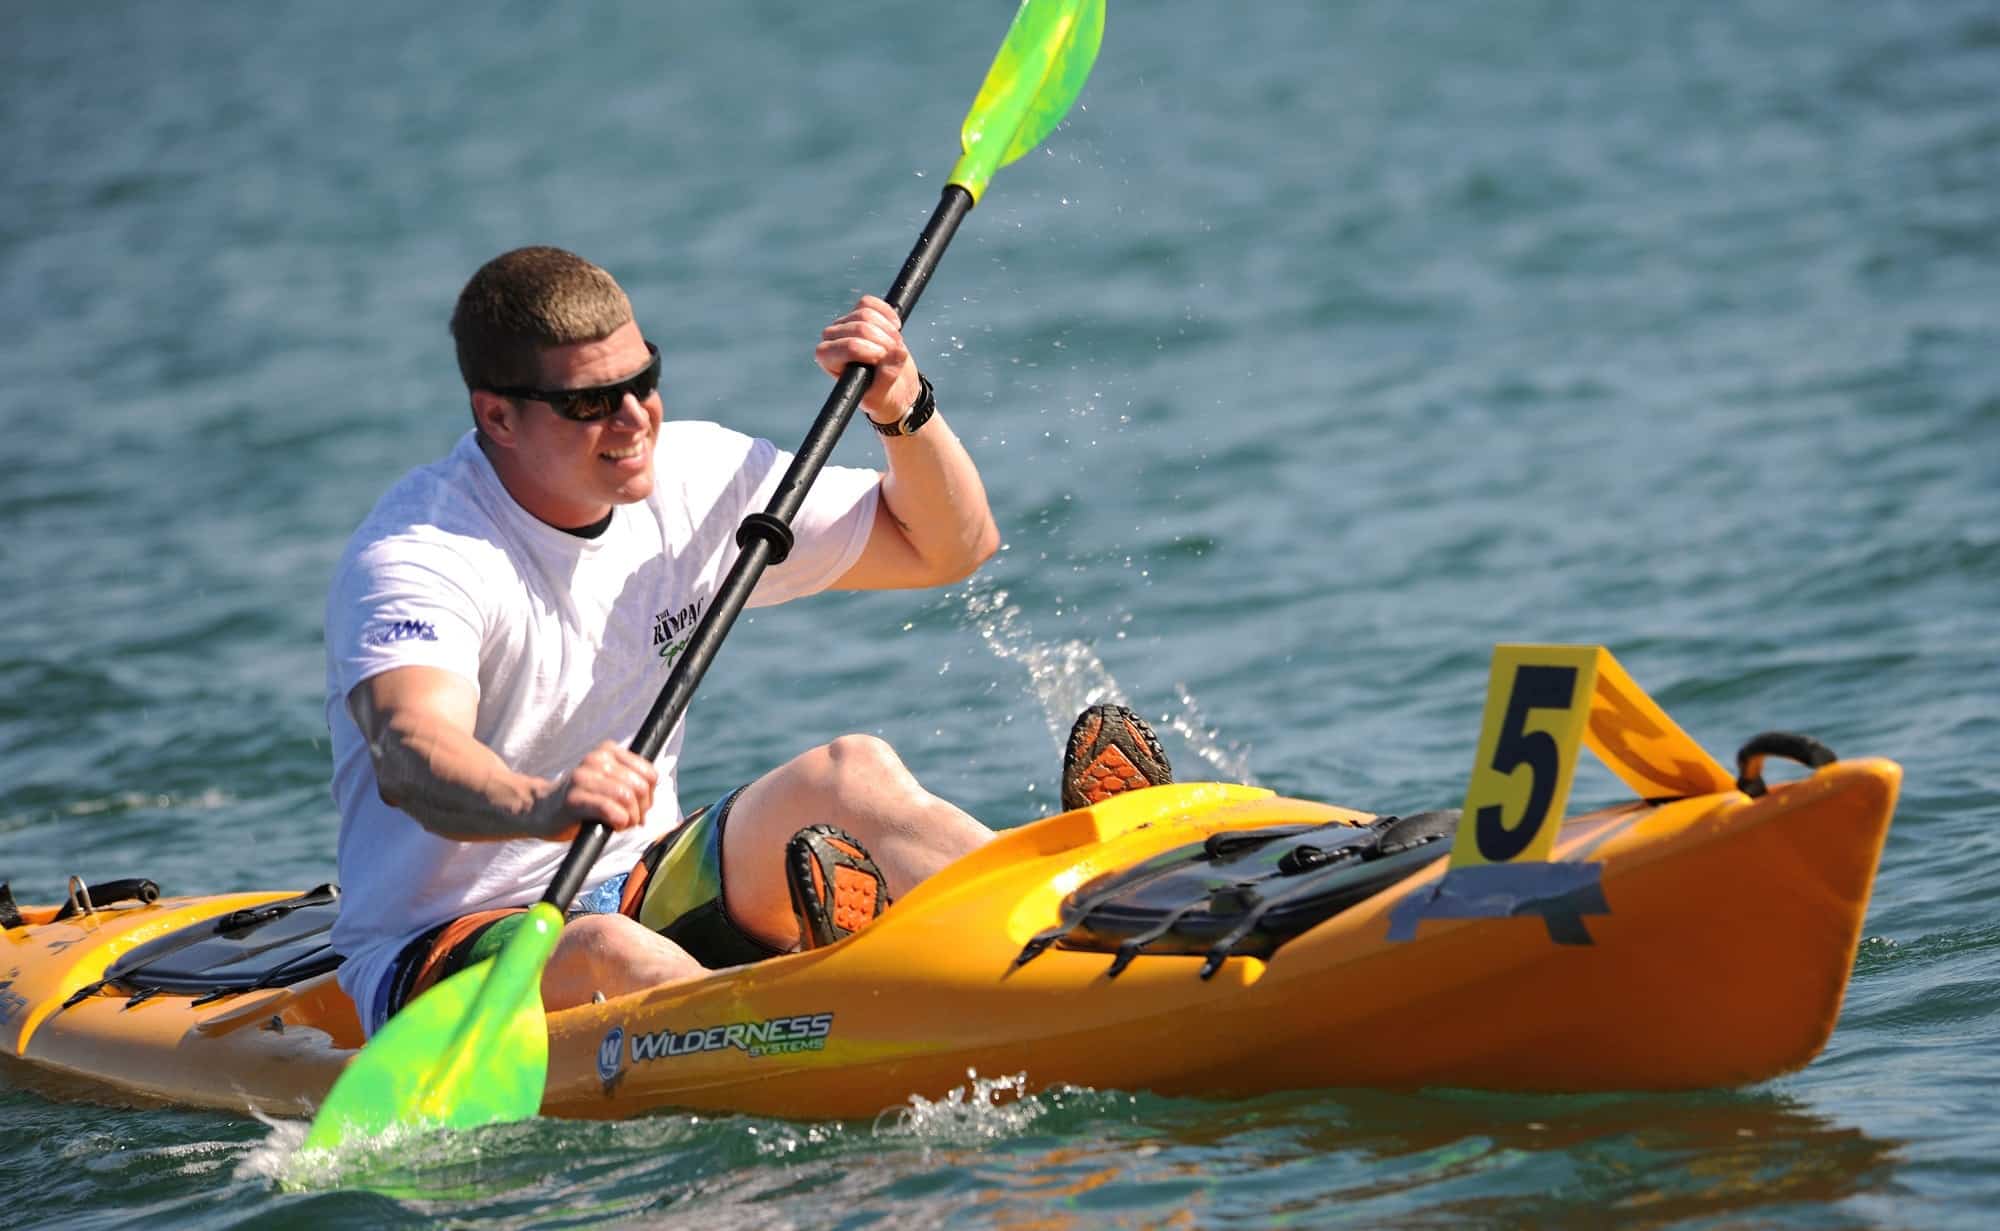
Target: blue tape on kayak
{"points": [[1561, 893]]}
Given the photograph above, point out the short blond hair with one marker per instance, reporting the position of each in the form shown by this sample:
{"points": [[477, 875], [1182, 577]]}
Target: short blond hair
{"points": [[522, 301]]}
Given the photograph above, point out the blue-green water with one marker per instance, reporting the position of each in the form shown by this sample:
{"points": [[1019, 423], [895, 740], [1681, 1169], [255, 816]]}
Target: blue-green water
{"points": [[1326, 346]]}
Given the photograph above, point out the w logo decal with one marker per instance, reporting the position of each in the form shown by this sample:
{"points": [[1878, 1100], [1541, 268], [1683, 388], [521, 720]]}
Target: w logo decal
{"points": [[611, 1055]]}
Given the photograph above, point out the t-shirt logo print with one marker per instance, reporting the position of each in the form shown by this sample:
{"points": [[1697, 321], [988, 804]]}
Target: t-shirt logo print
{"points": [[392, 631], [672, 629]]}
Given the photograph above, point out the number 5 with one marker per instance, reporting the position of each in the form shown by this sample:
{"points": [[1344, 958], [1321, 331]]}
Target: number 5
{"points": [[1535, 688], [1556, 682]]}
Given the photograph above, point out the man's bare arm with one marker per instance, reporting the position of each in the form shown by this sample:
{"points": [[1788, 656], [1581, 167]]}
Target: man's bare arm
{"points": [[419, 724]]}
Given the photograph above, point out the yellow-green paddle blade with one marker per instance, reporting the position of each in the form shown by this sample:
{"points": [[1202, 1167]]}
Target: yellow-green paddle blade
{"points": [[472, 1050], [1037, 75]]}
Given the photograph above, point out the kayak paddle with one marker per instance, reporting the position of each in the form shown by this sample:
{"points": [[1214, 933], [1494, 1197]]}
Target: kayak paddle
{"points": [[474, 1049]]}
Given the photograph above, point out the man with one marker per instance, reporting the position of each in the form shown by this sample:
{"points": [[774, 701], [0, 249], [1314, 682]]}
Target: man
{"points": [[501, 622]]}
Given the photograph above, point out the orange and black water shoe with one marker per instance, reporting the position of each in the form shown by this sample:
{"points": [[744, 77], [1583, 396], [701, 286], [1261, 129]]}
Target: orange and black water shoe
{"points": [[836, 888], [1111, 751]]}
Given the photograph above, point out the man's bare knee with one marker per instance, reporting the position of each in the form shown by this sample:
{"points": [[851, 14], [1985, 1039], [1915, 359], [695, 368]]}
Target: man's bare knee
{"points": [[865, 758], [613, 955]]}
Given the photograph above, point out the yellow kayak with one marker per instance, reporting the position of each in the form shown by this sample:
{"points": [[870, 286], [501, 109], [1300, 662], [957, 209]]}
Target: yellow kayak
{"points": [[1720, 957], [1204, 939]]}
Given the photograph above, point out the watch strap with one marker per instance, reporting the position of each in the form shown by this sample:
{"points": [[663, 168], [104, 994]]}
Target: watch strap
{"points": [[920, 412]]}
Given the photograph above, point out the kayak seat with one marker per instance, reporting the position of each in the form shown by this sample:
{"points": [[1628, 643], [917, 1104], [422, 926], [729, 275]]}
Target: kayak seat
{"points": [[1242, 892], [276, 944]]}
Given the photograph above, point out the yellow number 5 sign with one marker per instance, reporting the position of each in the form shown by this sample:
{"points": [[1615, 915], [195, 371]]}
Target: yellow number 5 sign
{"points": [[1537, 705], [1544, 705]]}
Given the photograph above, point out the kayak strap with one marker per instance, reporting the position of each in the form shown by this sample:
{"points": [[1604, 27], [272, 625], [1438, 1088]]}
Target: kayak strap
{"points": [[1241, 892], [1804, 749], [275, 944]]}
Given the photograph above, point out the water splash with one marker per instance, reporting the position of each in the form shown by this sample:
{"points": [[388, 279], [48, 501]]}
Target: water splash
{"points": [[407, 1161], [983, 1109], [107, 1155], [274, 1157], [283, 1159], [780, 1139], [1066, 676], [1230, 760]]}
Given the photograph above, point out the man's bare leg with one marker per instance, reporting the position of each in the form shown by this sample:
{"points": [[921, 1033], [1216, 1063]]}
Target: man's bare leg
{"points": [[858, 783]]}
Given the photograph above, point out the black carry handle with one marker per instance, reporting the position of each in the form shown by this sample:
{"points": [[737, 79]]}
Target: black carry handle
{"points": [[765, 537], [1804, 749], [131, 889]]}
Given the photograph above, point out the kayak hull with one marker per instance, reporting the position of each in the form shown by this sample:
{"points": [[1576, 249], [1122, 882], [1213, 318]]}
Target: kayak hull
{"points": [[1710, 945]]}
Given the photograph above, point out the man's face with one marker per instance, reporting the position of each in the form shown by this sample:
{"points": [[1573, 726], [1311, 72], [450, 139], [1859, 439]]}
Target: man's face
{"points": [[570, 472]]}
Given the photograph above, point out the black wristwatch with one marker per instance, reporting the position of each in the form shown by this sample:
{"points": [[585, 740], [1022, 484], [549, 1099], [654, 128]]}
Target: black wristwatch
{"points": [[920, 412]]}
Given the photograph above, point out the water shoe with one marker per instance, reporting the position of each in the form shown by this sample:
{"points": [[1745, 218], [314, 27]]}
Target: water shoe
{"points": [[1111, 750], [836, 888]]}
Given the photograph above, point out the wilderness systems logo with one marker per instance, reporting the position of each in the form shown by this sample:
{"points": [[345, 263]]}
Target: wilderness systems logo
{"points": [[672, 629], [775, 1036], [399, 630]]}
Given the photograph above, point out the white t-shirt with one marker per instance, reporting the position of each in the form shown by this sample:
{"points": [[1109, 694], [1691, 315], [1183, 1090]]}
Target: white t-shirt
{"points": [[568, 639]]}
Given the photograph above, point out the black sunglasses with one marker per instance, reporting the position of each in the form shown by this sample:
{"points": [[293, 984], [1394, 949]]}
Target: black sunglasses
{"points": [[598, 401]]}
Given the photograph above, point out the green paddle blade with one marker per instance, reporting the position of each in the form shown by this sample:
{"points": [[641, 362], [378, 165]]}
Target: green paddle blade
{"points": [[472, 1050], [1037, 75]]}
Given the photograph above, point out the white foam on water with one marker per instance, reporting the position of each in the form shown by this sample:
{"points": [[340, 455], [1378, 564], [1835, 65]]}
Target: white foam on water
{"points": [[983, 1109], [396, 1153], [209, 800], [780, 1139], [283, 1159], [278, 1156], [124, 801]]}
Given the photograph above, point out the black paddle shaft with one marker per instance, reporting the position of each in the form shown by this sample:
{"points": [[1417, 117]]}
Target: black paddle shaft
{"points": [[765, 537]]}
